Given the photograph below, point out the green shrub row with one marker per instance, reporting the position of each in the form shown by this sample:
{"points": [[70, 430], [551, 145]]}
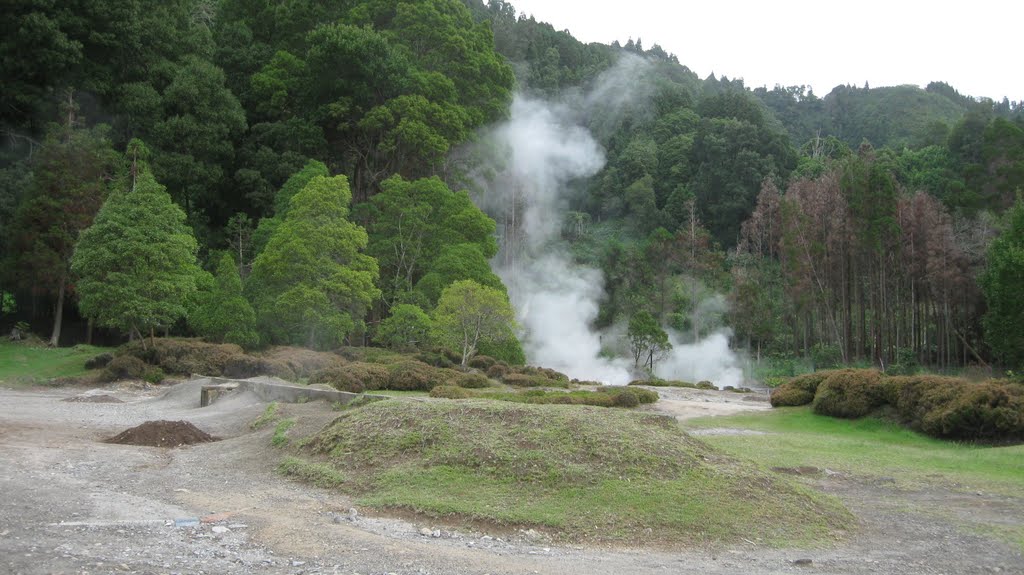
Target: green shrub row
{"points": [[943, 407], [674, 383], [603, 397]]}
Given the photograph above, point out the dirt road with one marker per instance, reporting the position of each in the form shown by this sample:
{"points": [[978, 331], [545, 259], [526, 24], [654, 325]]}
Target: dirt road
{"points": [[72, 504]]}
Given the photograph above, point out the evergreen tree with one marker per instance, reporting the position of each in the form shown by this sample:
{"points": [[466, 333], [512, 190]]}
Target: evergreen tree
{"points": [[224, 315], [137, 262], [312, 283]]}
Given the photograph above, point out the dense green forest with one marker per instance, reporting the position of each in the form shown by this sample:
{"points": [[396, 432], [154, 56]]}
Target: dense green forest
{"points": [[287, 173]]}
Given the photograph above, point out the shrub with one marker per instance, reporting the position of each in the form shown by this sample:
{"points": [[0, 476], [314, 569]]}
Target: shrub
{"points": [[244, 366], [435, 359], [355, 377], [986, 411], [953, 408], [99, 361], [498, 371], [183, 356], [302, 362], [472, 381], [706, 385], [523, 380], [414, 375], [483, 362], [153, 375], [799, 390], [450, 392], [626, 398], [849, 393], [124, 367], [664, 383]]}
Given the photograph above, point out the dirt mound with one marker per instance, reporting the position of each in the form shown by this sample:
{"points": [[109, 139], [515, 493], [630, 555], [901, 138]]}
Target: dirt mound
{"points": [[162, 434], [93, 398]]}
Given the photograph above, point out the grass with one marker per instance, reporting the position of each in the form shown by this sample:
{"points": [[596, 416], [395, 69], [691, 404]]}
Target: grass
{"points": [[280, 438], [27, 364], [398, 393], [319, 474], [576, 472], [269, 415], [870, 448]]}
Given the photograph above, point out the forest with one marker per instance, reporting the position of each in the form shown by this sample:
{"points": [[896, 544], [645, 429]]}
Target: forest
{"points": [[299, 173]]}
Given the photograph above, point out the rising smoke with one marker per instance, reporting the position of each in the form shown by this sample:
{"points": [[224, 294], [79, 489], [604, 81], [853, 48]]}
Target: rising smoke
{"points": [[533, 159]]}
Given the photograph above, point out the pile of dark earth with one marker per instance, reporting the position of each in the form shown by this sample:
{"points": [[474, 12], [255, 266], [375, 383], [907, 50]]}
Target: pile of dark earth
{"points": [[162, 434]]}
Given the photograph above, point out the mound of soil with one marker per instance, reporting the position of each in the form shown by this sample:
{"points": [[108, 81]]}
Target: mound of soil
{"points": [[103, 398], [162, 434]]}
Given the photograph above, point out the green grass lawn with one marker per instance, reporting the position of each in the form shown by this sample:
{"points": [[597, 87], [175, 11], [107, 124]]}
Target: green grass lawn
{"points": [[27, 364], [869, 448]]}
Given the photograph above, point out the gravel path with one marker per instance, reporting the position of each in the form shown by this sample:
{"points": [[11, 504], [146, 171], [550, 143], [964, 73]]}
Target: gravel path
{"points": [[72, 504]]}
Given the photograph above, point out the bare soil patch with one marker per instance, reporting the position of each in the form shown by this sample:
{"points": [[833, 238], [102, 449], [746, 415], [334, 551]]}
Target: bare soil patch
{"points": [[162, 434]]}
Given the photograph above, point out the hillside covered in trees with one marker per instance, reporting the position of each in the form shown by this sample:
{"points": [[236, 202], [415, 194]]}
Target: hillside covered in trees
{"points": [[307, 173]]}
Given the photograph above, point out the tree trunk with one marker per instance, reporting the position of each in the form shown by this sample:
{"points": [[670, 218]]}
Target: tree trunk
{"points": [[58, 316]]}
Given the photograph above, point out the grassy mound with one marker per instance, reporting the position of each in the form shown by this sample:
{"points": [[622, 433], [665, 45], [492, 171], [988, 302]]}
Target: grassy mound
{"points": [[578, 473]]}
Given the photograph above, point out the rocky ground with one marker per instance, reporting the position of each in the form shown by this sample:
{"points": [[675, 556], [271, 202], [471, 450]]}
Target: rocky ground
{"points": [[72, 503]]}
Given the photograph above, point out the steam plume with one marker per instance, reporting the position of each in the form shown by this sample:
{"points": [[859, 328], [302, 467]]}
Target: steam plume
{"points": [[536, 155]]}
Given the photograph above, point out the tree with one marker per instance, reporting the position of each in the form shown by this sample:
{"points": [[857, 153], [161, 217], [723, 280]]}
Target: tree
{"points": [[408, 328], [224, 315], [469, 314], [647, 340], [312, 284], [1001, 284], [70, 174], [137, 262], [414, 224]]}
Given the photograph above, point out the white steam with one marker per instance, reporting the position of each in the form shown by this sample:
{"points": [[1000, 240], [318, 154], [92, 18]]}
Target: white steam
{"points": [[535, 155]]}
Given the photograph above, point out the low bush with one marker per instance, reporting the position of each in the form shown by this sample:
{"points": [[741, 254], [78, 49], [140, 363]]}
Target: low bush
{"points": [[483, 362], [303, 363], [99, 361], [603, 397], [450, 392], [153, 375], [124, 367], [849, 393], [498, 370], [183, 356], [984, 411], [706, 385], [799, 390], [435, 359], [411, 375], [244, 366], [664, 383], [954, 408], [355, 377], [472, 381]]}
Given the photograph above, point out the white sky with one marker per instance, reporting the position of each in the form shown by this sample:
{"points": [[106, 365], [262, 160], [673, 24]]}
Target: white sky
{"points": [[975, 46]]}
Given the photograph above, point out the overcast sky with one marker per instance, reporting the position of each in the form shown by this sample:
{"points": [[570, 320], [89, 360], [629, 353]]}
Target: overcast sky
{"points": [[973, 45]]}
